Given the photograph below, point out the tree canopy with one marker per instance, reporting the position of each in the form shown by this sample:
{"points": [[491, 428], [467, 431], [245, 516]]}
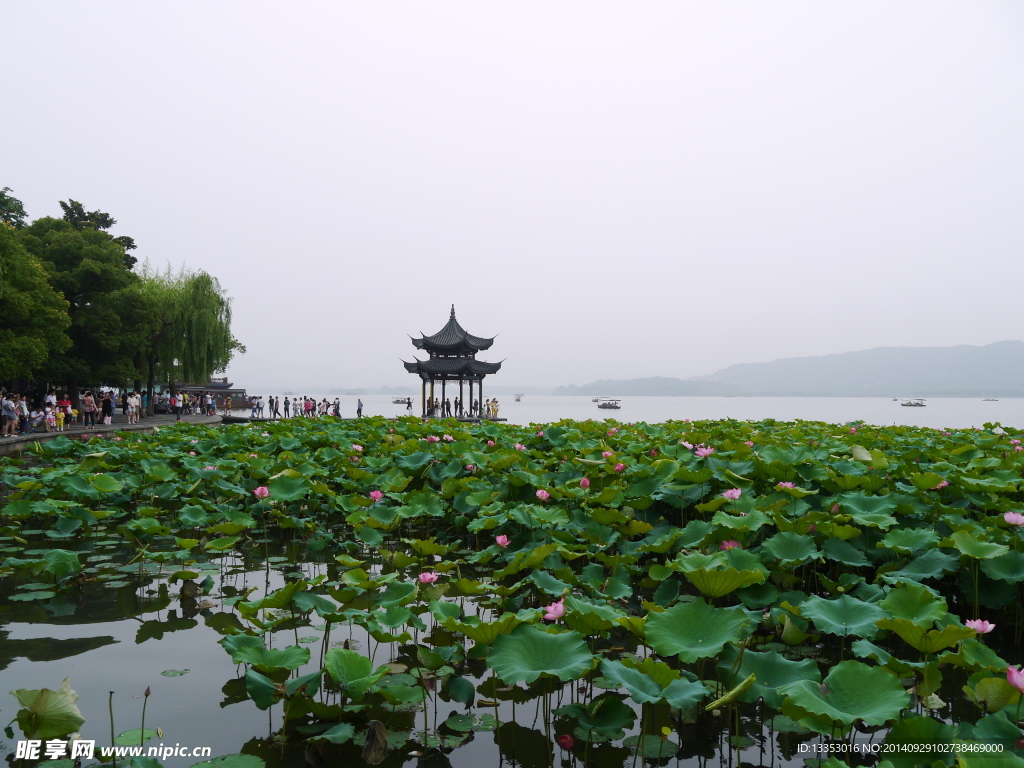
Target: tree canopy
{"points": [[75, 311]]}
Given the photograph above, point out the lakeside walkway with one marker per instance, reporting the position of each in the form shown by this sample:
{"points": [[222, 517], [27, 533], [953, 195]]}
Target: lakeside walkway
{"points": [[18, 443]]}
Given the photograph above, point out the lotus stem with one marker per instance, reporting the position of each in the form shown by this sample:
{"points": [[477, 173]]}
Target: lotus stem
{"points": [[142, 732], [110, 706]]}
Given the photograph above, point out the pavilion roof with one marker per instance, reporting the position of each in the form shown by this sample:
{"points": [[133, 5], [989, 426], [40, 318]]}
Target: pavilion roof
{"points": [[451, 366], [453, 338]]}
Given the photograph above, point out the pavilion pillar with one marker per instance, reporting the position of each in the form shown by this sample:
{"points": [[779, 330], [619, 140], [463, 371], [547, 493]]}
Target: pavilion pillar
{"points": [[443, 397], [460, 410], [480, 388], [431, 408], [423, 396]]}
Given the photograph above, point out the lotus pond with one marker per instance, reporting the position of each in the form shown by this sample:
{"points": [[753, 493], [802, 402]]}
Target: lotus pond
{"points": [[581, 593]]}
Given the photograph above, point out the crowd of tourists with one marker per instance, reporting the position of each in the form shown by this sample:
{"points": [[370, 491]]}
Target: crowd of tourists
{"points": [[273, 407], [28, 413], [447, 407]]}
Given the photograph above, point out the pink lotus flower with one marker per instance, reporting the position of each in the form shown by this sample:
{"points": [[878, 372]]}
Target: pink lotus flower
{"points": [[812, 528], [490, 443], [612, 431], [732, 493], [519, 447], [584, 483], [433, 439], [980, 626], [210, 467], [853, 430], [191, 453], [357, 447], [501, 541], [686, 445], [540, 433], [470, 467], [703, 451], [652, 453], [1018, 448], [785, 484], [543, 495], [193, 441], [354, 459], [252, 456], [448, 438], [427, 577], [749, 443], [554, 611], [1014, 518], [835, 509], [730, 544], [1015, 442], [117, 439], [261, 492], [565, 741], [620, 467], [1015, 677], [262, 434], [376, 495], [941, 485]]}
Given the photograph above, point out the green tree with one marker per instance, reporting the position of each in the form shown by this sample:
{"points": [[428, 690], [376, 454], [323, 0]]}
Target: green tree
{"points": [[34, 316], [189, 326], [81, 219], [12, 212], [89, 269]]}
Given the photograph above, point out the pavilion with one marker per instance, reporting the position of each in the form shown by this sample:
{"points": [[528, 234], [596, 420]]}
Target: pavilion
{"points": [[452, 357]]}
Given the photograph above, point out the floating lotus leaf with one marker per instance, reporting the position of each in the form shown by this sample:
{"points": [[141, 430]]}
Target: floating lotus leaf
{"points": [[695, 630], [247, 649], [844, 617], [915, 603], [927, 640], [933, 564], [484, 632], [529, 652], [851, 691], [135, 736], [48, 714], [771, 672], [605, 718]]}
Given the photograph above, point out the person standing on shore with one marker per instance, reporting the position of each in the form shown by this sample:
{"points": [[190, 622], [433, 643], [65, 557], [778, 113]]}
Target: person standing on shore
{"points": [[287, 405], [89, 410], [359, 408]]}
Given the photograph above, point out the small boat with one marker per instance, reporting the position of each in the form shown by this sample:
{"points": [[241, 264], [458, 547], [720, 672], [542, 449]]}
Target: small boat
{"points": [[609, 404], [917, 402], [401, 400], [990, 400], [518, 398]]}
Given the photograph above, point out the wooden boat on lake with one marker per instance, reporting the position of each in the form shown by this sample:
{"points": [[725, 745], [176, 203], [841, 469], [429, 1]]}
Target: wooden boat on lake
{"points": [[609, 404], [917, 402]]}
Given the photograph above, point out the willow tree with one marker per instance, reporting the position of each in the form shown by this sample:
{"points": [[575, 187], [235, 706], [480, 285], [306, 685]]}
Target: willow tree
{"points": [[190, 327]]}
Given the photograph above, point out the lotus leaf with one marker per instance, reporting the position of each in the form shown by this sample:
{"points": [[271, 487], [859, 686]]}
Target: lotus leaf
{"points": [[927, 640], [695, 630], [529, 652], [844, 617], [644, 690], [791, 548], [915, 603], [352, 671], [974, 548], [771, 672], [48, 714], [851, 691]]}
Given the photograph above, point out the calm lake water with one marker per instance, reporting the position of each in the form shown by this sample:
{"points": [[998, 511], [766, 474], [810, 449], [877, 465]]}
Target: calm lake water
{"points": [[939, 412]]}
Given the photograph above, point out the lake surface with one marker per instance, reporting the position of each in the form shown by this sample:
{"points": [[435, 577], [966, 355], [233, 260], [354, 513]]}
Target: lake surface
{"points": [[949, 412]]}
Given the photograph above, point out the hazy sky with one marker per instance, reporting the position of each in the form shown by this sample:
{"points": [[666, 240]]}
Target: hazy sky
{"points": [[617, 189]]}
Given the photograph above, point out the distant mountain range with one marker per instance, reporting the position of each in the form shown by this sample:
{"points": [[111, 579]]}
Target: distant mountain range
{"points": [[994, 370]]}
